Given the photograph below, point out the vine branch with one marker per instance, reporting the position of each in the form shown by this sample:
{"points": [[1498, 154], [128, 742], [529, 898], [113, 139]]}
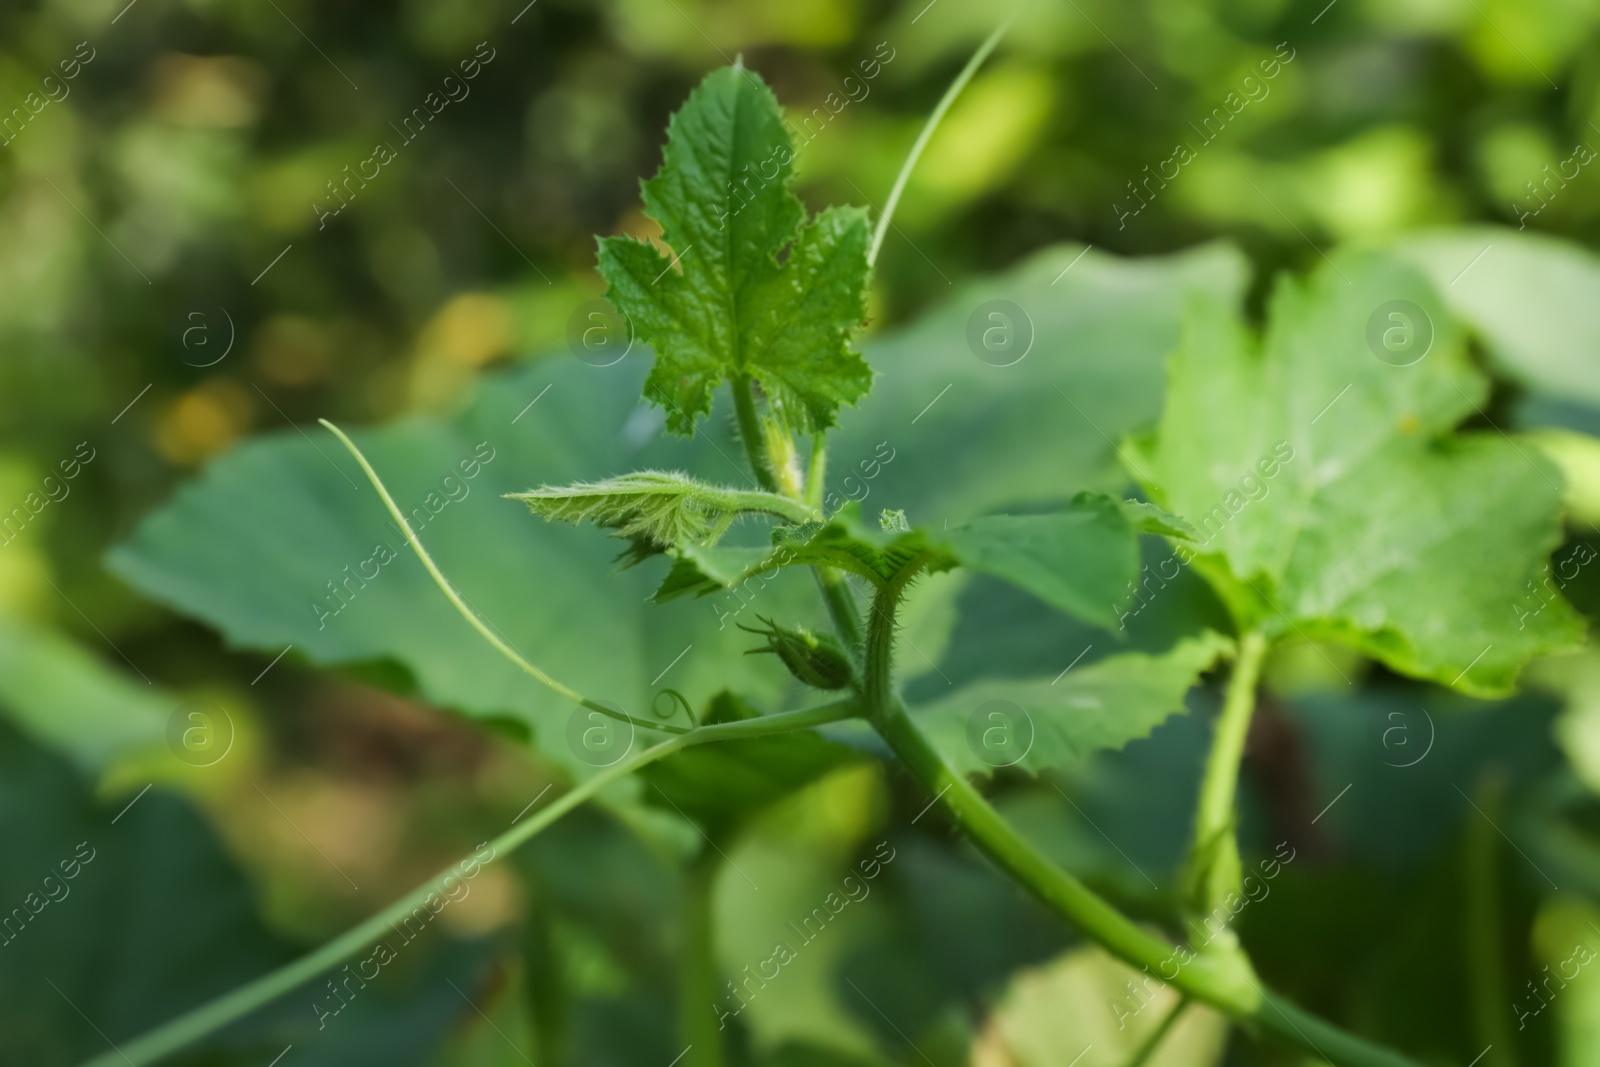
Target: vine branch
{"points": [[1225, 980]]}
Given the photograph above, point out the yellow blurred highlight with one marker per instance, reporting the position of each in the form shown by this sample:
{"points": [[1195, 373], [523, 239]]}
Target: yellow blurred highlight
{"points": [[1562, 975], [281, 192], [467, 332], [471, 329], [206, 91], [216, 785], [493, 900], [635, 223], [331, 830], [22, 572], [203, 421]]}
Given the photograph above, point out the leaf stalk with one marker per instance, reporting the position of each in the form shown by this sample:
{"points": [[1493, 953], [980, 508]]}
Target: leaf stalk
{"points": [[750, 432], [835, 593], [1214, 871]]}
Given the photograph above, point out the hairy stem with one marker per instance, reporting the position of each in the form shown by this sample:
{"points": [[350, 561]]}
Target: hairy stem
{"points": [[1224, 980], [784, 457], [1060, 891], [784, 506], [1227, 987], [1214, 855], [841, 606], [877, 691], [211, 1017], [750, 432], [842, 609], [817, 472]]}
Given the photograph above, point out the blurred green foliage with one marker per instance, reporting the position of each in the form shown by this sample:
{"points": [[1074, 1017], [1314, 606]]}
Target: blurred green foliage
{"points": [[172, 282]]}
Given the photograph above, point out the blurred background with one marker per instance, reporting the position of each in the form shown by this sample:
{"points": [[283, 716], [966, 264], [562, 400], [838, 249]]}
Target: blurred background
{"points": [[183, 264]]}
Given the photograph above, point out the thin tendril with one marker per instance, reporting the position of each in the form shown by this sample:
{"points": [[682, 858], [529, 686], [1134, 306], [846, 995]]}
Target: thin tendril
{"points": [[488, 634], [926, 135]]}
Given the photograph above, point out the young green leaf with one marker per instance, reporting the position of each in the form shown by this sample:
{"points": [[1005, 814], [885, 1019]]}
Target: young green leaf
{"points": [[1080, 560], [1048, 724], [1332, 496], [665, 508], [723, 305]]}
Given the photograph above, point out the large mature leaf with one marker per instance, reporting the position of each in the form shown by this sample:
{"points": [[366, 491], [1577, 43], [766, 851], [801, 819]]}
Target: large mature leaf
{"points": [[948, 436], [723, 305], [1535, 300], [1050, 723], [253, 543], [283, 542], [1332, 496], [1003, 632]]}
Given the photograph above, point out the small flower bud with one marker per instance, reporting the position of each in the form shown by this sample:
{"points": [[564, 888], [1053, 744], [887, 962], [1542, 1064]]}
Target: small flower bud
{"points": [[815, 659]]}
